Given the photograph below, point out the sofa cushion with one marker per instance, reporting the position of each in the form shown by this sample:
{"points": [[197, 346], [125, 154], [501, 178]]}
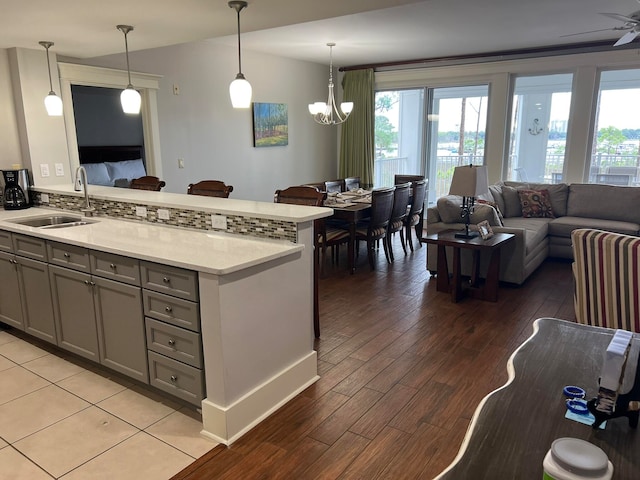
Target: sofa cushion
{"points": [[536, 230], [604, 201], [496, 193], [495, 206], [536, 203], [512, 207], [563, 226]]}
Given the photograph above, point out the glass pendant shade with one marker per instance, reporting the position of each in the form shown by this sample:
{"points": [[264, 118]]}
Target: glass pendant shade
{"points": [[53, 104], [240, 92], [130, 100]]}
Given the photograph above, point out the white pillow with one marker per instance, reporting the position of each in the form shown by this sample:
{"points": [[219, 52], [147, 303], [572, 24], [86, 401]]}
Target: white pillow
{"points": [[128, 169], [97, 174]]}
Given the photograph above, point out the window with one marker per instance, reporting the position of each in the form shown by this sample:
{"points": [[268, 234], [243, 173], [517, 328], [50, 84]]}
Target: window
{"points": [[398, 134], [615, 154], [457, 121], [539, 119]]}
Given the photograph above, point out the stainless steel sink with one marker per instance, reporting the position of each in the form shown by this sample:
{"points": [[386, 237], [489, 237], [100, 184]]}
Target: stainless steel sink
{"points": [[53, 221]]}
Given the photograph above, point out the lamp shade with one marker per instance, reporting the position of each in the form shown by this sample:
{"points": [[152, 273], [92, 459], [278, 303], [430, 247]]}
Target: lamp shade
{"points": [[240, 92], [469, 181], [53, 104], [130, 100]]}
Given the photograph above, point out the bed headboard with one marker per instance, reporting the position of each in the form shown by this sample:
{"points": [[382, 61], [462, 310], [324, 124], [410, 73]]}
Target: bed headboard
{"points": [[110, 153]]}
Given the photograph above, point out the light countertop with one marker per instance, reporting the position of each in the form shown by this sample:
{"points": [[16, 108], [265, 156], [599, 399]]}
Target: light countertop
{"points": [[225, 206], [210, 252]]}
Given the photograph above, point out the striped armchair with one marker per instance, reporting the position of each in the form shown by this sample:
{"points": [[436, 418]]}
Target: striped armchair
{"points": [[606, 271]]}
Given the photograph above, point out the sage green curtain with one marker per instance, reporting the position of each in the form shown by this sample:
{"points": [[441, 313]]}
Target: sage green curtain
{"points": [[357, 146]]}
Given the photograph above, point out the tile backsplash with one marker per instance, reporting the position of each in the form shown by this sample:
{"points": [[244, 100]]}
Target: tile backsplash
{"points": [[178, 217]]}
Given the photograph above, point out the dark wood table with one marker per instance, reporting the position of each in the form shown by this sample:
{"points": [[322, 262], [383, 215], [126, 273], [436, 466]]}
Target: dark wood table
{"points": [[352, 214], [487, 290], [514, 426]]}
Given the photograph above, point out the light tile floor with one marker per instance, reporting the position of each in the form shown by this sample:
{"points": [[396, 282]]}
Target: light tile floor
{"points": [[63, 418]]}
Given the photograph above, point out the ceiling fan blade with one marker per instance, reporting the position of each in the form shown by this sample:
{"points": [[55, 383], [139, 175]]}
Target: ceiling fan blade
{"points": [[583, 33], [627, 38], [617, 16]]}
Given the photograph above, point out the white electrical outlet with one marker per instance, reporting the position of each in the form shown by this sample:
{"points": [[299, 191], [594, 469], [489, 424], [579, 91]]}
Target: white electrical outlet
{"points": [[163, 214], [59, 169], [176, 89], [219, 222], [44, 198], [44, 169], [141, 211], [181, 163]]}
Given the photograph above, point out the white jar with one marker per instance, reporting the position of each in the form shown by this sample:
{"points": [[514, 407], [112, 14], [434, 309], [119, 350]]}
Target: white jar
{"points": [[575, 459]]}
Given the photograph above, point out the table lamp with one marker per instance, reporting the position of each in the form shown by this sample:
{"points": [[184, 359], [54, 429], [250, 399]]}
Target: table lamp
{"points": [[468, 182]]}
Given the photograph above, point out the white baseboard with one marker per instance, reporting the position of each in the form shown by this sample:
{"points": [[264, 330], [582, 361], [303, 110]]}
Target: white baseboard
{"points": [[227, 424]]}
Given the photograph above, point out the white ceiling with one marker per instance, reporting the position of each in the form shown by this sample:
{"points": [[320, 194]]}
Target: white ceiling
{"points": [[365, 31]]}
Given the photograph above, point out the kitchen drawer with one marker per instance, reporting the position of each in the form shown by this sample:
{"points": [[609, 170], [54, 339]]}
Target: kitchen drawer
{"points": [[174, 342], [176, 378], [5, 241], [170, 280], [69, 256], [115, 267], [29, 247], [175, 311]]}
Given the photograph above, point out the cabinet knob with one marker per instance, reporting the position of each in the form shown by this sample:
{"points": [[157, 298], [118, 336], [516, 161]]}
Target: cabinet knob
{"points": [[93, 284], [171, 342], [86, 282], [112, 266], [166, 280], [174, 378], [168, 309], [66, 255]]}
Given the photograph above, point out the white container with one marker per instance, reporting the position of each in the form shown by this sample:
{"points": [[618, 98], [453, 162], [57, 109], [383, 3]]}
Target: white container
{"points": [[575, 459]]}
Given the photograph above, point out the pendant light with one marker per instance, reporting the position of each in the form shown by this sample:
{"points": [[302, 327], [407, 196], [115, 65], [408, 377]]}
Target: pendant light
{"points": [[328, 113], [52, 102], [130, 97], [240, 88]]}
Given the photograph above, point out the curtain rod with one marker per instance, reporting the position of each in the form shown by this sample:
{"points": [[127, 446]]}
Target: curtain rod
{"points": [[603, 45]]}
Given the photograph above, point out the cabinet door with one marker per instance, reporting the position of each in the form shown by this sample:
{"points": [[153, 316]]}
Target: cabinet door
{"points": [[36, 294], [121, 332], [72, 294], [10, 300]]}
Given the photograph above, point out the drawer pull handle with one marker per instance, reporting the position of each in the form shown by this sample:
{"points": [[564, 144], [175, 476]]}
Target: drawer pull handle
{"points": [[166, 280], [112, 266], [168, 309], [66, 255], [174, 379], [171, 342]]}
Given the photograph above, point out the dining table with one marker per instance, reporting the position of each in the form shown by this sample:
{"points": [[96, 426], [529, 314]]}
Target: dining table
{"points": [[351, 210]]}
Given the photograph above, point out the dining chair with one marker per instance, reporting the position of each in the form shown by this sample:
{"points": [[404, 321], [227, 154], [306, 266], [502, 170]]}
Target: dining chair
{"points": [[351, 183], [147, 182], [414, 217], [210, 188], [402, 178], [375, 228], [311, 196], [398, 215], [334, 186]]}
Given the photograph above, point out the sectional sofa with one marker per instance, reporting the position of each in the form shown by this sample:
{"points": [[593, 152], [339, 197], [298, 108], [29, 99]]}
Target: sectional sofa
{"points": [[542, 217]]}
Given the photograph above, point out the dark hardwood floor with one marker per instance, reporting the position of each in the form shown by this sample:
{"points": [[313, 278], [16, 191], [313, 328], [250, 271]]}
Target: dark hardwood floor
{"points": [[402, 371]]}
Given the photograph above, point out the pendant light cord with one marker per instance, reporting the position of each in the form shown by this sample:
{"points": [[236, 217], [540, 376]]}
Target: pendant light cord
{"points": [[239, 50], [126, 49], [46, 46]]}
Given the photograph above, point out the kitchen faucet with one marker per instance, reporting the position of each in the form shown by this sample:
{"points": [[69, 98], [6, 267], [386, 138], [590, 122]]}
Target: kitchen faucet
{"points": [[81, 183]]}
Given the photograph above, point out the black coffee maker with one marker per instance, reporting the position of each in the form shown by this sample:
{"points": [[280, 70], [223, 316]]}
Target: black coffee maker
{"points": [[15, 188]]}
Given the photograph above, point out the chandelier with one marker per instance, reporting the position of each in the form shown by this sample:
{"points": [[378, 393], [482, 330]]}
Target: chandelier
{"points": [[328, 113]]}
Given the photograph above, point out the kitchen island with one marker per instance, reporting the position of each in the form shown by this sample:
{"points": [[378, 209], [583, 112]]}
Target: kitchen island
{"points": [[254, 291]]}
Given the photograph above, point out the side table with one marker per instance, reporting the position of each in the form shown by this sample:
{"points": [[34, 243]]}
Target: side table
{"points": [[487, 290]]}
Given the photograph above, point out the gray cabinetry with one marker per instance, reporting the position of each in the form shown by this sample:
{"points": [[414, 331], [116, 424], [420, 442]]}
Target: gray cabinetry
{"points": [[25, 296], [172, 322], [10, 299], [74, 311]]}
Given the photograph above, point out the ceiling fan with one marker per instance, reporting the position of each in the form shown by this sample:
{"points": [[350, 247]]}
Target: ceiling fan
{"points": [[631, 24]]}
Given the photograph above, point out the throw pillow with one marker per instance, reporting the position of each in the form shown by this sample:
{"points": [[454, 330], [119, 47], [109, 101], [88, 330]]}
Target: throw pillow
{"points": [[496, 206], [483, 212], [512, 207], [536, 204]]}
